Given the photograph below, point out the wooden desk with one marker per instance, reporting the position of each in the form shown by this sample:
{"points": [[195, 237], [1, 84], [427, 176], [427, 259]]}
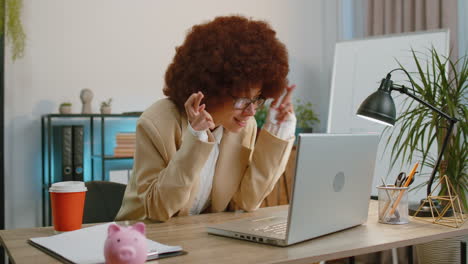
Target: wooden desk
{"points": [[190, 233]]}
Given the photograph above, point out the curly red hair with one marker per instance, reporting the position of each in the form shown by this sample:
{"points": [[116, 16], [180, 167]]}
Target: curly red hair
{"points": [[226, 57]]}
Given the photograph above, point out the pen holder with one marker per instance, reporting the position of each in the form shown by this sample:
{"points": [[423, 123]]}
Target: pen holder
{"points": [[393, 205]]}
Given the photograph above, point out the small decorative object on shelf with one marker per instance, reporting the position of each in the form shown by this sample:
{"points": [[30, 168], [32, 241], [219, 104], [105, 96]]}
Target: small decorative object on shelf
{"points": [[86, 97], [65, 108], [106, 106]]}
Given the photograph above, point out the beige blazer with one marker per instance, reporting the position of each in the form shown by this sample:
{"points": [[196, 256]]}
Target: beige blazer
{"points": [[169, 158]]}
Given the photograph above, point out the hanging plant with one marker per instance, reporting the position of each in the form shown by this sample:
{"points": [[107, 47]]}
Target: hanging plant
{"points": [[10, 11]]}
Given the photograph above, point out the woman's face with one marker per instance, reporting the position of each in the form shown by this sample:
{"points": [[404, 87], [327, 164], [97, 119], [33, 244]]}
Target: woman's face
{"points": [[229, 114]]}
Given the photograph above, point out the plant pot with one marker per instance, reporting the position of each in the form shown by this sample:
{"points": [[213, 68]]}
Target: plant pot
{"points": [[106, 110], [440, 251], [65, 109], [303, 130]]}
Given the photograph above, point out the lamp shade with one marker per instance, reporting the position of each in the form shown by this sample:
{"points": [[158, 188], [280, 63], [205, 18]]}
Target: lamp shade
{"points": [[379, 107]]}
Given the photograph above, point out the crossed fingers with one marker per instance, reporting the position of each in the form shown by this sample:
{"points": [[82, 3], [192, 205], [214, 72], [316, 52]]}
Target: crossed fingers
{"points": [[284, 105], [198, 117]]}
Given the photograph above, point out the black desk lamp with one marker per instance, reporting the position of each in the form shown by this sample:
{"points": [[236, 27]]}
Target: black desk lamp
{"points": [[379, 107]]}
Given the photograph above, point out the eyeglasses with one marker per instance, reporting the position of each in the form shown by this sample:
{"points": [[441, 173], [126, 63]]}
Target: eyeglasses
{"points": [[241, 103]]}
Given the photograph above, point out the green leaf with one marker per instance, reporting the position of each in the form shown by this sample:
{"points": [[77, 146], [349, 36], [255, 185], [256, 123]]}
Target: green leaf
{"points": [[305, 114]]}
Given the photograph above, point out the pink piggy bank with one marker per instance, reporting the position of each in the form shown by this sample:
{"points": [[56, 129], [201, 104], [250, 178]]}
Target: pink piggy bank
{"points": [[125, 245]]}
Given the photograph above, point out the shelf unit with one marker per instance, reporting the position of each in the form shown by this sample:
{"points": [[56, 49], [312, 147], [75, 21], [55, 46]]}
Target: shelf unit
{"points": [[47, 122]]}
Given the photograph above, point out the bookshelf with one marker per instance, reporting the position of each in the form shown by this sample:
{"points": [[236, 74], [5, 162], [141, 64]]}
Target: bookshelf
{"points": [[96, 131]]}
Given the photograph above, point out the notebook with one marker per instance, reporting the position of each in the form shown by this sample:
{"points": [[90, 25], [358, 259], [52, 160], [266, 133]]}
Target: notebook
{"points": [[86, 246]]}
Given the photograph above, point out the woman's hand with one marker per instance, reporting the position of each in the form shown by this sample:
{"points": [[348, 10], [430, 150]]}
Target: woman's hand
{"points": [[198, 117], [284, 105]]}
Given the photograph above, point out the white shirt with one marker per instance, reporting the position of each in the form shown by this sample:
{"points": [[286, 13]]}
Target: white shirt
{"points": [[285, 130], [206, 174]]}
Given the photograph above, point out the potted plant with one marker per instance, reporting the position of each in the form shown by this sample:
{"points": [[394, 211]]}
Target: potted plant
{"points": [[305, 115], [65, 108], [443, 83], [106, 106], [421, 127]]}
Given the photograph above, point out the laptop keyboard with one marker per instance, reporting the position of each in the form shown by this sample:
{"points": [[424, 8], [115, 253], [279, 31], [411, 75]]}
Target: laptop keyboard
{"points": [[278, 229]]}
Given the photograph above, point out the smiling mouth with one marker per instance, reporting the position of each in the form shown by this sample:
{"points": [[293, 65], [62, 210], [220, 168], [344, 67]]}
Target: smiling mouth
{"points": [[241, 123]]}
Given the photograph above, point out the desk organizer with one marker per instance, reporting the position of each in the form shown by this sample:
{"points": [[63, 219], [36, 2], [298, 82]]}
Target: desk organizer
{"points": [[393, 205]]}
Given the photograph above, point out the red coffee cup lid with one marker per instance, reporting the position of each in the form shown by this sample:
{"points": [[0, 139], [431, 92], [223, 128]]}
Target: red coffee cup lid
{"points": [[68, 186]]}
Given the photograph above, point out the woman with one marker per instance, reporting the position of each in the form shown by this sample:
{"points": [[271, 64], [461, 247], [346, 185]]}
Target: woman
{"points": [[197, 150]]}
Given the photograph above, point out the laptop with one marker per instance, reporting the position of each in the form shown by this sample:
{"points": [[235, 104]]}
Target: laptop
{"points": [[331, 192]]}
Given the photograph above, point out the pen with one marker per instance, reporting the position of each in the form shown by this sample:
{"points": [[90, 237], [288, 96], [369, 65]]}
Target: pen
{"points": [[408, 181]]}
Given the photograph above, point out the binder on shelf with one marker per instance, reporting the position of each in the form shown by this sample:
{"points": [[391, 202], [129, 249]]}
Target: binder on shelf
{"points": [[63, 155], [67, 153], [78, 149], [56, 162]]}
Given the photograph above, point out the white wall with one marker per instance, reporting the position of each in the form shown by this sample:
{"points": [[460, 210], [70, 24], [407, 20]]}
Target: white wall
{"points": [[120, 49], [462, 28]]}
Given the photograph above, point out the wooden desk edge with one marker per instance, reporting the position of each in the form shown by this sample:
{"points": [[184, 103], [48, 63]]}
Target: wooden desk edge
{"points": [[203, 220]]}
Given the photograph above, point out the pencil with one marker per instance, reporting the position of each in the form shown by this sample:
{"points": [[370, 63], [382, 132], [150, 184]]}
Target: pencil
{"points": [[387, 204], [410, 177]]}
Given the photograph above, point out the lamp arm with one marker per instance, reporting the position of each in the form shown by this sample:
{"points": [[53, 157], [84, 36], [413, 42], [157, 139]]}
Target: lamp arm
{"points": [[439, 159], [404, 90], [452, 121]]}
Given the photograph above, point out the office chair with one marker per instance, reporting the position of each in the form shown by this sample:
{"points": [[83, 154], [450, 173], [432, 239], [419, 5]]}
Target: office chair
{"points": [[103, 201]]}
